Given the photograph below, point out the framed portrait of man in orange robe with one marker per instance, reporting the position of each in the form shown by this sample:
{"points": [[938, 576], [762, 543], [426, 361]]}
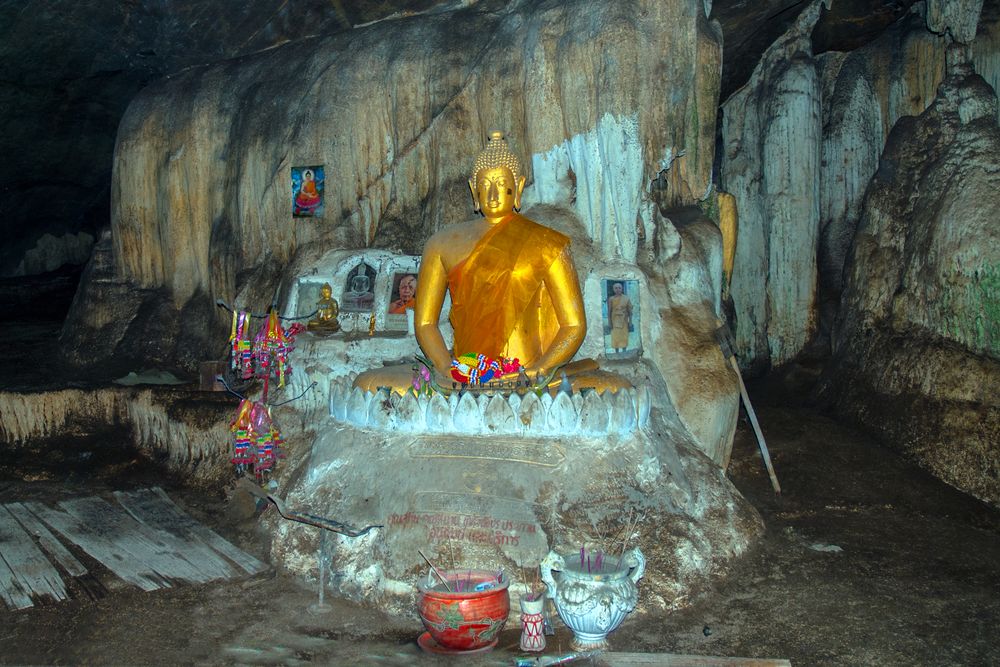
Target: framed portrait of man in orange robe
{"points": [[620, 310]]}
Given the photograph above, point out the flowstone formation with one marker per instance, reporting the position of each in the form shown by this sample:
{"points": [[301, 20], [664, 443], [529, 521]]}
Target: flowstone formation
{"points": [[917, 352], [603, 97], [803, 140]]}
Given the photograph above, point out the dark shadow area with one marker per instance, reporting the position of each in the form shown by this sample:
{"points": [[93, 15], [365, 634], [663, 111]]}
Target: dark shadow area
{"points": [[32, 311]]}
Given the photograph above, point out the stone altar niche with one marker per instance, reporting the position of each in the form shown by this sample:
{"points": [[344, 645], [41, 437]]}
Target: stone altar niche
{"points": [[491, 479]]}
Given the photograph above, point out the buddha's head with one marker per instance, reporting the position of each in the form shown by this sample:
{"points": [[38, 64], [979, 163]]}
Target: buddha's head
{"points": [[497, 181], [325, 291]]}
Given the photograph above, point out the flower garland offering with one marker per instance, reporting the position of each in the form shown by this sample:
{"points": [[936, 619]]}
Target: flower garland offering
{"points": [[421, 379], [478, 369]]}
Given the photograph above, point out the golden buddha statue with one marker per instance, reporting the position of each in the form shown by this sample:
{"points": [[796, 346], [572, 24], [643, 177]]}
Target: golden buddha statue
{"points": [[327, 310], [514, 290]]}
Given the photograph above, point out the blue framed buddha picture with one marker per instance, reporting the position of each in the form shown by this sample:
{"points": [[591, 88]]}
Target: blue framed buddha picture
{"points": [[307, 191]]}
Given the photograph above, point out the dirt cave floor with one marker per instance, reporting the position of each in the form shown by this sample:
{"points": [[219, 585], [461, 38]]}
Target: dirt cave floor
{"points": [[867, 560]]}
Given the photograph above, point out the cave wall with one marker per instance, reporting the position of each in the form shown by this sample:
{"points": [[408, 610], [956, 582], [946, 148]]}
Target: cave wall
{"points": [[800, 143], [70, 69], [917, 342], [598, 98], [861, 179]]}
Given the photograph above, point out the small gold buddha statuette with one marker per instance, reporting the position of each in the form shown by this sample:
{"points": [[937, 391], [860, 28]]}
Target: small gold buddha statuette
{"points": [[327, 310]]}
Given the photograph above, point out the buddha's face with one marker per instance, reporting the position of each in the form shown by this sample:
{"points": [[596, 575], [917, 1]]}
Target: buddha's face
{"points": [[407, 287], [325, 291], [496, 191], [617, 289]]}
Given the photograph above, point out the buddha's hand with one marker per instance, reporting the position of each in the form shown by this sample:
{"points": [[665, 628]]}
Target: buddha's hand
{"points": [[539, 375], [443, 380]]}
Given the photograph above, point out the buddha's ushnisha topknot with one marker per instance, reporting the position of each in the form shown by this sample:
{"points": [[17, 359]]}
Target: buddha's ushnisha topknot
{"points": [[496, 154]]}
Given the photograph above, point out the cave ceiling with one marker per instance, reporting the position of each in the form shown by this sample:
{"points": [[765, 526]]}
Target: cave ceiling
{"points": [[72, 66]]}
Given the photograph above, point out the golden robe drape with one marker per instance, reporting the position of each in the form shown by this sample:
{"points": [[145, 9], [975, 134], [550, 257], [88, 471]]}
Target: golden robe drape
{"points": [[500, 284]]}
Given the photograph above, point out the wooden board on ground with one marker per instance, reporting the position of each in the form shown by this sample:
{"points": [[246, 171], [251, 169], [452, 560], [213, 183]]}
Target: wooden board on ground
{"points": [[26, 561], [49, 543], [191, 529], [158, 516], [145, 539], [103, 549], [11, 590], [616, 659], [148, 546]]}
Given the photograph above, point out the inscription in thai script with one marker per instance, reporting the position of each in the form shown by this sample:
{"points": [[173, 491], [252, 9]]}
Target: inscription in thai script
{"points": [[535, 452], [472, 519], [443, 527], [474, 504]]}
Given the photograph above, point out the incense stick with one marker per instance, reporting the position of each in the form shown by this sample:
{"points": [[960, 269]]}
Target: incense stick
{"points": [[436, 571]]}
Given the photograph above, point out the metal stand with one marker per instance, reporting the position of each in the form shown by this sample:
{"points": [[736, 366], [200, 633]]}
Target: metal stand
{"points": [[321, 607]]}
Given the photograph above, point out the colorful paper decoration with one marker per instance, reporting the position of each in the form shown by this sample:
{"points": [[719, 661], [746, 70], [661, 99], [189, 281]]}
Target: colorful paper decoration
{"points": [[241, 345], [256, 439]]}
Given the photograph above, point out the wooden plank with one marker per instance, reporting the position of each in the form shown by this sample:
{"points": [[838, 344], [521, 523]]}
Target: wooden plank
{"points": [[149, 509], [145, 544], [11, 590], [114, 557], [192, 529], [27, 561], [616, 659], [49, 543]]}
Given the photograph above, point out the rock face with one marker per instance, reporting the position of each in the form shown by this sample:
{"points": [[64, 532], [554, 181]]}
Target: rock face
{"points": [[70, 70], [772, 134], [917, 349], [602, 97], [501, 497], [186, 432], [802, 140]]}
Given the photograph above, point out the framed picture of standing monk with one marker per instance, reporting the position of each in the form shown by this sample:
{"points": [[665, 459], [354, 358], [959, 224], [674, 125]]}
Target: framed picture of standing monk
{"points": [[620, 309]]}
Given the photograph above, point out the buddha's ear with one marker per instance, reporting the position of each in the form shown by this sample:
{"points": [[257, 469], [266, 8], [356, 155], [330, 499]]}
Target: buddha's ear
{"points": [[475, 195], [518, 190]]}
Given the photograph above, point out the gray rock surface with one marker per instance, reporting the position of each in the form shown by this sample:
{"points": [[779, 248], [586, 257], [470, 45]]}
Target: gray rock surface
{"points": [[501, 502], [772, 133], [917, 348]]}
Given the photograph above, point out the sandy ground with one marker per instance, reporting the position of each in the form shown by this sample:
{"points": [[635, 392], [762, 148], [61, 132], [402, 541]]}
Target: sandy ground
{"points": [[867, 560]]}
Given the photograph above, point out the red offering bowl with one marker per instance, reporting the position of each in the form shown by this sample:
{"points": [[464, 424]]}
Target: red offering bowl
{"points": [[471, 616]]}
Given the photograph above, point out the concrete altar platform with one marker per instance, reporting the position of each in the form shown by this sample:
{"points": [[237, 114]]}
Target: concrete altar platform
{"points": [[500, 500]]}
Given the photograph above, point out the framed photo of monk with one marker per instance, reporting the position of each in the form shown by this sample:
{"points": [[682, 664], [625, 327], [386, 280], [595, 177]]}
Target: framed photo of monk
{"points": [[401, 296], [620, 309], [307, 191], [358, 295]]}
